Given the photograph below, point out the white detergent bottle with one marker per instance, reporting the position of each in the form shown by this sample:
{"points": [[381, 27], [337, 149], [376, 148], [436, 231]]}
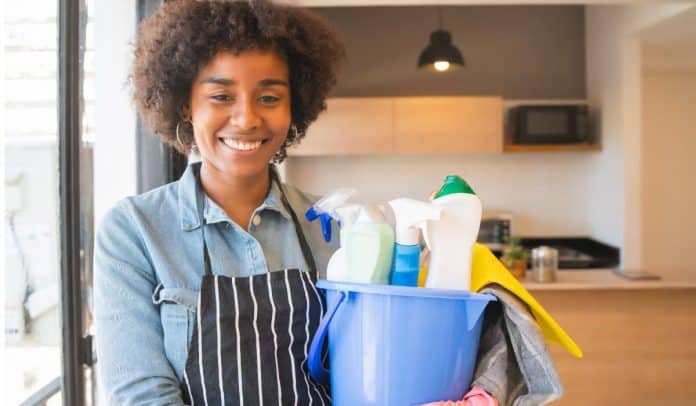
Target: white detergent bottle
{"points": [[451, 239]]}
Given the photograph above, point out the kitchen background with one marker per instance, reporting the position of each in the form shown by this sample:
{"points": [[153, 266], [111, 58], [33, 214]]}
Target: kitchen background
{"points": [[547, 193], [630, 194], [634, 63]]}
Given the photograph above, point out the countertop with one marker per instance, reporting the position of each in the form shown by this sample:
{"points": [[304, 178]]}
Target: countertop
{"points": [[606, 279]]}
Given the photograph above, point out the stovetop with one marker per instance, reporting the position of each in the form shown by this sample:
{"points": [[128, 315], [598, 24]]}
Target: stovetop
{"points": [[572, 258]]}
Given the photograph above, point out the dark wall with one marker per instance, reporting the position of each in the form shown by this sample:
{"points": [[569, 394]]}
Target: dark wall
{"points": [[513, 51]]}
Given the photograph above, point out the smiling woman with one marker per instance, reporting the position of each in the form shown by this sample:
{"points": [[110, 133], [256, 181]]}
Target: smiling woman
{"points": [[183, 36], [186, 309]]}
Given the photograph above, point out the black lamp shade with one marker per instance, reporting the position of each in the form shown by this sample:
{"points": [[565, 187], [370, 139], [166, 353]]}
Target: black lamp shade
{"points": [[440, 48]]}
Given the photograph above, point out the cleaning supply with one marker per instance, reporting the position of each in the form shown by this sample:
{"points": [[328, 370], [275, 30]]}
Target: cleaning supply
{"points": [[369, 247], [410, 216], [337, 268], [486, 269], [424, 260], [325, 207], [396, 345], [451, 239]]}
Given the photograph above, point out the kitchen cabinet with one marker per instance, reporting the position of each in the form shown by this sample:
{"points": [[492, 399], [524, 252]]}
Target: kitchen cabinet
{"points": [[350, 126], [406, 125], [448, 125]]}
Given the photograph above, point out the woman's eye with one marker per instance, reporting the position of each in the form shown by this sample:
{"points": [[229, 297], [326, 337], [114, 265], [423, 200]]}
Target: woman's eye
{"points": [[221, 97], [268, 99]]}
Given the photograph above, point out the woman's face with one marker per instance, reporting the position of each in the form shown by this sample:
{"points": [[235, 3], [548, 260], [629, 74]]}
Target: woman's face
{"points": [[240, 111]]}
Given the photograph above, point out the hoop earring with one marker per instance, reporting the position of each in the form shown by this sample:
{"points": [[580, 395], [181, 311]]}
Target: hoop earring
{"points": [[178, 139]]}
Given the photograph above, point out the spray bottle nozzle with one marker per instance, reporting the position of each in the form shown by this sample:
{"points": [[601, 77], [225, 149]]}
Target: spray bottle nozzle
{"points": [[410, 215], [324, 218], [325, 209]]}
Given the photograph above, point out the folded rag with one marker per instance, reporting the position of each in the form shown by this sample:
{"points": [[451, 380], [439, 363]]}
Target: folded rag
{"points": [[514, 364]]}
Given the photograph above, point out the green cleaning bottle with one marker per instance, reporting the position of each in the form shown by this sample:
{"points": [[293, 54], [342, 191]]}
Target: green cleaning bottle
{"points": [[369, 247]]}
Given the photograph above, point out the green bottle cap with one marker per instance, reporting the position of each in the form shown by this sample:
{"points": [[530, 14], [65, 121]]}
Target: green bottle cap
{"points": [[454, 184]]}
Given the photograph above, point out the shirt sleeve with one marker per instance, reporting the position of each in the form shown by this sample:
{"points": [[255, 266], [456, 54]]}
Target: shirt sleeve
{"points": [[132, 367]]}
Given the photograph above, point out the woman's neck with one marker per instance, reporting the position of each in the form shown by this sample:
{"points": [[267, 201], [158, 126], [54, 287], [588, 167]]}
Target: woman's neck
{"points": [[238, 197]]}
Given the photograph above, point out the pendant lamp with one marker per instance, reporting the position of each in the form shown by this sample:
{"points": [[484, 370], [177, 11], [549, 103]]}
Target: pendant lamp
{"points": [[440, 55]]}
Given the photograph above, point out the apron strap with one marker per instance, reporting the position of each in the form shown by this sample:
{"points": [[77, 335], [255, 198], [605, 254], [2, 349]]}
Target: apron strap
{"points": [[206, 255], [304, 246]]}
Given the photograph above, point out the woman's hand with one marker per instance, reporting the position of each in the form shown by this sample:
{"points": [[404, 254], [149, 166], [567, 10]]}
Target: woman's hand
{"points": [[475, 397]]}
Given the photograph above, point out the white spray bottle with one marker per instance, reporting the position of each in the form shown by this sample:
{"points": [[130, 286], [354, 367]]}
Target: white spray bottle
{"points": [[337, 268], [451, 239], [410, 215]]}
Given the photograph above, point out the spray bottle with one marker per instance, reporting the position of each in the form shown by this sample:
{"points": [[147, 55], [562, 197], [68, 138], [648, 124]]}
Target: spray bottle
{"points": [[324, 209], [410, 216], [337, 268], [369, 247], [451, 239]]}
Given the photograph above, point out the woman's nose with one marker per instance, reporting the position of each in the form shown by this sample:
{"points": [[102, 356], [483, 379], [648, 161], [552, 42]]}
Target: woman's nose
{"points": [[245, 116]]}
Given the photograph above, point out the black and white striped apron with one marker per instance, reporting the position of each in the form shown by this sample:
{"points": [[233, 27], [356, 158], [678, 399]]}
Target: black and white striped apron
{"points": [[252, 334]]}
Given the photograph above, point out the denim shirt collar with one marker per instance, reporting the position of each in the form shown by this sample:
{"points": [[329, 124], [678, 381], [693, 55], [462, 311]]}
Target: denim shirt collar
{"points": [[194, 205]]}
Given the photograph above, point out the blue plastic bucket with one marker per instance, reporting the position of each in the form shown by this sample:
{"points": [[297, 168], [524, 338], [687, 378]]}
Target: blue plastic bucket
{"points": [[396, 345]]}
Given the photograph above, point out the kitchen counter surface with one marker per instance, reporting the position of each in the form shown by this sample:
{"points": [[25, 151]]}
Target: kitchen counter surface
{"points": [[606, 279]]}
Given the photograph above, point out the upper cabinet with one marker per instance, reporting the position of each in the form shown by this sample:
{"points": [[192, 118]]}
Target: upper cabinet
{"points": [[350, 126], [406, 125], [448, 125]]}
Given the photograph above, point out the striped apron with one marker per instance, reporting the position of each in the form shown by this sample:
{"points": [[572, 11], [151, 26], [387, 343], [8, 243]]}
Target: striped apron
{"points": [[252, 334]]}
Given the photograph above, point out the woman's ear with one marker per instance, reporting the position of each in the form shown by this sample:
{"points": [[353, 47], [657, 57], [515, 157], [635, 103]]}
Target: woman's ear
{"points": [[185, 114]]}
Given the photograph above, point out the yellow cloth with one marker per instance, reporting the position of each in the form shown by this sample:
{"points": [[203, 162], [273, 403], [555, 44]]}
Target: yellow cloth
{"points": [[486, 269]]}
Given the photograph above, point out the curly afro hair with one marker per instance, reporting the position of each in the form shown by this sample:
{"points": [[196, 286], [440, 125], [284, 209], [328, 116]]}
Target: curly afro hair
{"points": [[182, 36]]}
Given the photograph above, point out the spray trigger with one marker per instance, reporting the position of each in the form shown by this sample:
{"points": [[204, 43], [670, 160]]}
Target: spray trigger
{"points": [[326, 226]]}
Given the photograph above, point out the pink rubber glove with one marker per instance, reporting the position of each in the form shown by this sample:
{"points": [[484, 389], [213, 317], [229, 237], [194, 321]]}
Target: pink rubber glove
{"points": [[475, 397]]}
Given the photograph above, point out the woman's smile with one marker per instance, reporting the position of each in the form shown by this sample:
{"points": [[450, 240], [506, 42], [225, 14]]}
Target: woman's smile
{"points": [[241, 145]]}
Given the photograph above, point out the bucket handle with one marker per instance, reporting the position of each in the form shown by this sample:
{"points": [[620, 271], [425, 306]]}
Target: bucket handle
{"points": [[316, 368]]}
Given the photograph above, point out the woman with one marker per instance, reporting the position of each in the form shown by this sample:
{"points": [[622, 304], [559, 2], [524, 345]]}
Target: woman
{"points": [[186, 308]]}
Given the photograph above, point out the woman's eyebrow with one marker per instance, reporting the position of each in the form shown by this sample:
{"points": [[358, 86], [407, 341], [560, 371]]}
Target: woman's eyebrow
{"points": [[230, 82], [219, 81], [273, 82]]}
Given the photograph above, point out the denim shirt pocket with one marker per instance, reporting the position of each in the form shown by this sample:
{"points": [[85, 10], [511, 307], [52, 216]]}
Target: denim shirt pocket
{"points": [[178, 314]]}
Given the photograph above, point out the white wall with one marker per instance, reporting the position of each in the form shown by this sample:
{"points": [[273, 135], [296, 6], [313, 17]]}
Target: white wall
{"points": [[546, 193], [614, 84], [114, 150], [669, 195]]}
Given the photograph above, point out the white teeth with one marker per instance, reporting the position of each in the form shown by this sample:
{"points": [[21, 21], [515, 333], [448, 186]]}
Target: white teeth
{"points": [[241, 145]]}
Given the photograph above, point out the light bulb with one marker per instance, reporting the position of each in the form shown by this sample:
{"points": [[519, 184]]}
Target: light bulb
{"points": [[441, 66]]}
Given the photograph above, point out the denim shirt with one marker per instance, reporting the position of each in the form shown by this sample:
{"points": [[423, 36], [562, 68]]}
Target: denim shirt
{"points": [[148, 269]]}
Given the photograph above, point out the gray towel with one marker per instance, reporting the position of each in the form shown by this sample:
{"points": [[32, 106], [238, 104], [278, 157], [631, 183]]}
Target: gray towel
{"points": [[514, 364]]}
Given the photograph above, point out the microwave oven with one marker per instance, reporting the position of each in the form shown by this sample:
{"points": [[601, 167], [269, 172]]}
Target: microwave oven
{"points": [[494, 228], [551, 124]]}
